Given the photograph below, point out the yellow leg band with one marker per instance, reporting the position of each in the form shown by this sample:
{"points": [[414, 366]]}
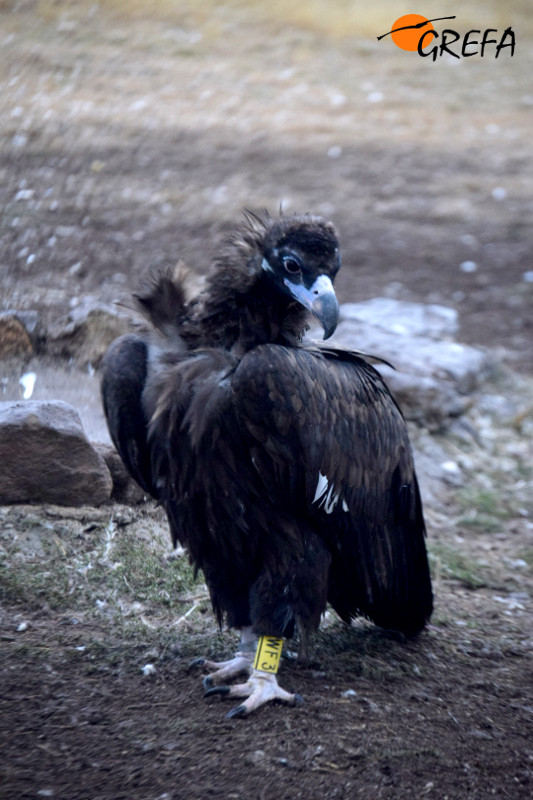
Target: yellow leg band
{"points": [[268, 654]]}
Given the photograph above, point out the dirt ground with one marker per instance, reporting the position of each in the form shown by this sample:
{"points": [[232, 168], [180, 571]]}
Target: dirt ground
{"points": [[130, 140]]}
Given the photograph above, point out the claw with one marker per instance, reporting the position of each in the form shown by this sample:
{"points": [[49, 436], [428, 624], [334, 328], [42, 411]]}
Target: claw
{"points": [[298, 699], [197, 662], [238, 711], [216, 690]]}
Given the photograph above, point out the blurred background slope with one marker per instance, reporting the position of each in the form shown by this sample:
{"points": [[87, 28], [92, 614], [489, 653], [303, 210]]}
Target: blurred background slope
{"points": [[134, 133]]}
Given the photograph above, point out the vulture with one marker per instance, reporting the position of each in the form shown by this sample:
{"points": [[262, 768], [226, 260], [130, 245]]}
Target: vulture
{"points": [[284, 465]]}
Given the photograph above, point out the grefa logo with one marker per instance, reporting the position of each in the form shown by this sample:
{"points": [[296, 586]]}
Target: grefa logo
{"points": [[416, 33]]}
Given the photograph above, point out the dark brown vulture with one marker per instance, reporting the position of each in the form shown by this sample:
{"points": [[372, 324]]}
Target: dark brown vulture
{"points": [[284, 467]]}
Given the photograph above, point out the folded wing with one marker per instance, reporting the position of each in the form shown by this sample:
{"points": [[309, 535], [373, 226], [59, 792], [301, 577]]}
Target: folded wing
{"points": [[331, 445]]}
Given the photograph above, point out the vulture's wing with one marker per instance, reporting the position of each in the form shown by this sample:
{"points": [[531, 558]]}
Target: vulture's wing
{"points": [[124, 369], [330, 444]]}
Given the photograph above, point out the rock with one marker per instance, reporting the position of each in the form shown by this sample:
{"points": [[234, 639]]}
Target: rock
{"points": [[125, 489], [406, 319], [14, 338], [255, 758], [21, 333], [87, 332], [433, 376], [424, 400], [46, 457], [460, 365]]}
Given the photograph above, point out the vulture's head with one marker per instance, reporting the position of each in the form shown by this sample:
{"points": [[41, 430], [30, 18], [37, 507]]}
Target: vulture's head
{"points": [[300, 255]]}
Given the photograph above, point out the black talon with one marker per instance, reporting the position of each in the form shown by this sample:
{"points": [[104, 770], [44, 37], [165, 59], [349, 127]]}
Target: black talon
{"points": [[298, 700], [197, 662], [217, 690], [238, 711], [207, 682]]}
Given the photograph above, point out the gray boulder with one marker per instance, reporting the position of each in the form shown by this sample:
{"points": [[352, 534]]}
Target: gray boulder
{"points": [[400, 317], [45, 457], [433, 376]]}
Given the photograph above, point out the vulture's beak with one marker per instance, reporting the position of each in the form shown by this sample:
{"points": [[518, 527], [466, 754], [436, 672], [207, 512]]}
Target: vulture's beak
{"points": [[320, 299]]}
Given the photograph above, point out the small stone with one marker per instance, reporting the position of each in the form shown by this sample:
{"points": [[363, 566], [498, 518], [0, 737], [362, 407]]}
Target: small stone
{"points": [[27, 381], [257, 757], [349, 693], [75, 269], [499, 193], [451, 473], [451, 467], [24, 194], [338, 99]]}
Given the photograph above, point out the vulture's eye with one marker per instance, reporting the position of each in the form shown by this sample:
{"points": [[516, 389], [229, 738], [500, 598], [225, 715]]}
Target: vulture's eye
{"points": [[291, 265]]}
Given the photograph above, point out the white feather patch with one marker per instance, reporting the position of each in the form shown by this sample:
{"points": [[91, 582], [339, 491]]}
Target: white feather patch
{"points": [[321, 487], [326, 496]]}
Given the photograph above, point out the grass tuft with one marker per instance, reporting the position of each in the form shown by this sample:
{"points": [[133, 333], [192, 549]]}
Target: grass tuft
{"points": [[122, 571], [449, 563]]}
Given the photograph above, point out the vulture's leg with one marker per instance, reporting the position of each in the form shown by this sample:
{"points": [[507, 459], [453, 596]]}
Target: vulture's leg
{"points": [[262, 686], [241, 663], [297, 595]]}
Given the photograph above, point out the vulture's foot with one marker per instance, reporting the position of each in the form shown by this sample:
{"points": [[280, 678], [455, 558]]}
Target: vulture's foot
{"points": [[223, 671], [260, 688]]}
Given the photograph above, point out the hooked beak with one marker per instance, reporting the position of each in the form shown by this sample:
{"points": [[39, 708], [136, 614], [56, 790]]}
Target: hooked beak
{"points": [[320, 299]]}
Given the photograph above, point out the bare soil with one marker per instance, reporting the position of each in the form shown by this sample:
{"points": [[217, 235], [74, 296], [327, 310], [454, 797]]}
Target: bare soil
{"points": [[446, 716], [131, 140]]}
